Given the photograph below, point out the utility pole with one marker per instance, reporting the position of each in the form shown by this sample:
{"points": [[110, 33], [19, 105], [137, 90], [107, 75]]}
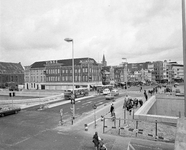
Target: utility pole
{"points": [[184, 52]]}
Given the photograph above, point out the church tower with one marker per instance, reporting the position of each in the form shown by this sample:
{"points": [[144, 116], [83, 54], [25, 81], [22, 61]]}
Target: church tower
{"points": [[104, 62]]}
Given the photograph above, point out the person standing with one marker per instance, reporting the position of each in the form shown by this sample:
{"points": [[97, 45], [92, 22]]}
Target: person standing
{"points": [[145, 94], [112, 109], [126, 99]]}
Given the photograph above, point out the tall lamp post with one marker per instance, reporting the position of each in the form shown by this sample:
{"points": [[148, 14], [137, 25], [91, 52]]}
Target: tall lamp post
{"points": [[184, 51], [125, 66], [73, 96]]}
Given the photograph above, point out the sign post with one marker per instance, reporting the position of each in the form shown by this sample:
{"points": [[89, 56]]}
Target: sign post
{"points": [[73, 106], [94, 107], [61, 116]]}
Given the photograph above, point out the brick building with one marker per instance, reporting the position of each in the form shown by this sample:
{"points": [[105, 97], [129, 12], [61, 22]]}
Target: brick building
{"points": [[11, 74], [57, 74]]}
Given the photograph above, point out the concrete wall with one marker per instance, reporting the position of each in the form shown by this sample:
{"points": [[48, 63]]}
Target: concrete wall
{"points": [[150, 110], [180, 143], [167, 106]]}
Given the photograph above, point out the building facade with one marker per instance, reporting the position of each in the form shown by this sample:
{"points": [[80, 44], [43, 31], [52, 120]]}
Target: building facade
{"points": [[178, 72], [11, 73], [57, 74]]}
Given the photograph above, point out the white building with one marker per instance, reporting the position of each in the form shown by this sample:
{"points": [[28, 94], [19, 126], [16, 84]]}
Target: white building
{"points": [[178, 72]]}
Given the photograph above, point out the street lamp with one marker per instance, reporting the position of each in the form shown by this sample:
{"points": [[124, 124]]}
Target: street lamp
{"points": [[125, 66], [184, 51], [73, 96]]}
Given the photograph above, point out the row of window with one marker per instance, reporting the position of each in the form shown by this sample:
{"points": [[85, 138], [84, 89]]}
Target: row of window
{"points": [[69, 78], [57, 71]]}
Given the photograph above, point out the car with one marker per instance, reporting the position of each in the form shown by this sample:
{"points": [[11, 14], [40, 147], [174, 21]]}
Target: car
{"points": [[109, 96], [8, 111], [106, 91], [115, 92]]}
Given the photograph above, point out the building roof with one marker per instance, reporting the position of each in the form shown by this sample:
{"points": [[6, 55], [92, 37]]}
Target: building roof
{"points": [[11, 68], [64, 62], [177, 65]]}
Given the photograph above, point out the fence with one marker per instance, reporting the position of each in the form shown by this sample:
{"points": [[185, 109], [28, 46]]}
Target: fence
{"points": [[141, 129]]}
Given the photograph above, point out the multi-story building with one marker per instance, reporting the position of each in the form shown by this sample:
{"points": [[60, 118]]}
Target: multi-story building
{"points": [[11, 73], [132, 67], [57, 74], [118, 73], [158, 69], [146, 75], [35, 75], [178, 72]]}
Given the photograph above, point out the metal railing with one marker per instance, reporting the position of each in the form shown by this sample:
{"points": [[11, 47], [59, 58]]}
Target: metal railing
{"points": [[141, 129]]}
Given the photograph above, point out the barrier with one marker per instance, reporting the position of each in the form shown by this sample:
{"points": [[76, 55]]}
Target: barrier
{"points": [[86, 127], [132, 126]]}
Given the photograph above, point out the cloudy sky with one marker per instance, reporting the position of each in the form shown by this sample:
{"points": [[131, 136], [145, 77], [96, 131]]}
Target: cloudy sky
{"points": [[139, 30]]}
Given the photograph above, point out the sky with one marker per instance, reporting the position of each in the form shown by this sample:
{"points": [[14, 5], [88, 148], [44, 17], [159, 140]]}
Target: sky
{"points": [[138, 30]]}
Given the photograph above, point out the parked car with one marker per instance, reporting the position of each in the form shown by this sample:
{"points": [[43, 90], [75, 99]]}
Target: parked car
{"points": [[106, 91], [109, 97], [115, 92], [8, 111]]}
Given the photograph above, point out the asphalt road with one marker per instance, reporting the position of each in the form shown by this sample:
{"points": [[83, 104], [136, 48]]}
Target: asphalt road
{"points": [[34, 129]]}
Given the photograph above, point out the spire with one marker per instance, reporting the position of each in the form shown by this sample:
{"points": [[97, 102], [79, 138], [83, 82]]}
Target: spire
{"points": [[104, 63], [103, 58]]}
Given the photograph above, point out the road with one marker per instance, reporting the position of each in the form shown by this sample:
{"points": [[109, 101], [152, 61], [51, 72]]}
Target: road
{"points": [[31, 128]]}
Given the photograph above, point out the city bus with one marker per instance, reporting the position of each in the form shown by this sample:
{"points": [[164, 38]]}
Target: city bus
{"points": [[78, 92]]}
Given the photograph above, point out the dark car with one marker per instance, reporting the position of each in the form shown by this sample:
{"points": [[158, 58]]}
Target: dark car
{"points": [[9, 111], [109, 97]]}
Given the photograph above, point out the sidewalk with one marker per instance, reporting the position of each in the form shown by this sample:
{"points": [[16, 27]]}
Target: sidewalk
{"points": [[120, 143], [111, 138]]}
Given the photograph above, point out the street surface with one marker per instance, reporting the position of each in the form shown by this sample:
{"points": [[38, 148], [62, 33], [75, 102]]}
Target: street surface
{"points": [[37, 129], [30, 127]]}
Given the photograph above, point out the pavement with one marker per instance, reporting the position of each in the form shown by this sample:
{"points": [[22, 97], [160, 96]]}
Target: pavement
{"points": [[91, 122]]}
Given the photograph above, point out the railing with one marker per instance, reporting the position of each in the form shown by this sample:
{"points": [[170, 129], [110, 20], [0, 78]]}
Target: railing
{"points": [[141, 129]]}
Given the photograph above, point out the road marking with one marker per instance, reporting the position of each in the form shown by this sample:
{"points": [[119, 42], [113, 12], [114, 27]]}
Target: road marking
{"points": [[93, 121]]}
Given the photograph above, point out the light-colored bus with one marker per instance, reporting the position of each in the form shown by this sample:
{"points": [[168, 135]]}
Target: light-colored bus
{"points": [[78, 92]]}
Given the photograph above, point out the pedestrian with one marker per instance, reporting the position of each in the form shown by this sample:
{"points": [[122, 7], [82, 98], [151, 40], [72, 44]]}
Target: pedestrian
{"points": [[145, 94], [125, 101], [140, 102], [140, 88], [96, 141], [112, 109]]}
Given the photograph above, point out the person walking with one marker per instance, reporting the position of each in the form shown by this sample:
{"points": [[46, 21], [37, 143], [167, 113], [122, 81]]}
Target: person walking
{"points": [[112, 109], [140, 102], [145, 94], [125, 101], [95, 140]]}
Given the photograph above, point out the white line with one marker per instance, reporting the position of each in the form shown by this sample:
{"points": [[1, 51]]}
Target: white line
{"points": [[93, 121]]}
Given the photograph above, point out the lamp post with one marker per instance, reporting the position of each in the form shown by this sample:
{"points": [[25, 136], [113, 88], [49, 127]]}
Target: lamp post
{"points": [[184, 51], [125, 67], [73, 97]]}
